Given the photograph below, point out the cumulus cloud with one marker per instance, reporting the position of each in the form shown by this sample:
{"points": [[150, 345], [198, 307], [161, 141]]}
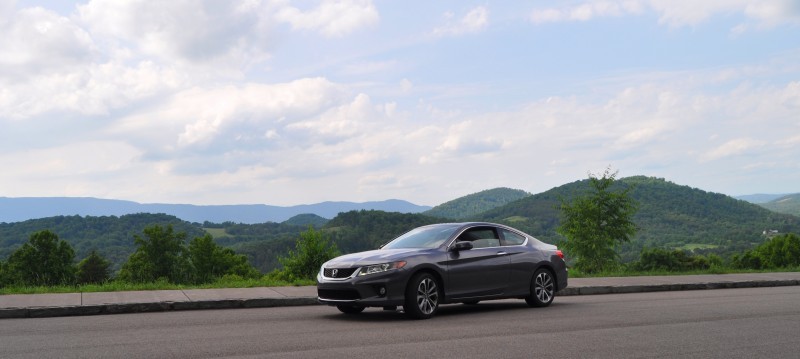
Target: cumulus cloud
{"points": [[331, 18], [227, 115], [676, 13], [37, 41], [476, 20], [183, 30]]}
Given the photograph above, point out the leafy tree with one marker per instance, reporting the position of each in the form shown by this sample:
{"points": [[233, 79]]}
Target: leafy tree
{"points": [[44, 260], [158, 255], [5, 276], [779, 252], [311, 251], [210, 261], [596, 222], [93, 269]]}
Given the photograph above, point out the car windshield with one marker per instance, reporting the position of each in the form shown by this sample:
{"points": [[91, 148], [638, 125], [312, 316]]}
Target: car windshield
{"points": [[423, 237]]}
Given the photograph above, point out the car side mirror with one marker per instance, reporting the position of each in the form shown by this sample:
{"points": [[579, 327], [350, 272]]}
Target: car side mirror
{"points": [[462, 246]]}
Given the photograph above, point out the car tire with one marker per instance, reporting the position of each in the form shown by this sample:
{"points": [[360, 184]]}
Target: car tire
{"points": [[350, 309], [423, 296], [543, 289]]}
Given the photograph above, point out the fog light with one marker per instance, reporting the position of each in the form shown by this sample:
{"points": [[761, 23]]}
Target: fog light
{"points": [[382, 291]]}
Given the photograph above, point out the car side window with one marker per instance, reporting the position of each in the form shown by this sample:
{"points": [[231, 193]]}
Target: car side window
{"points": [[480, 237], [512, 238]]}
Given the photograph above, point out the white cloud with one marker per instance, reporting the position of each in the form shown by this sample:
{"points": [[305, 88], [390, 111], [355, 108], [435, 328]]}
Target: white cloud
{"points": [[476, 20], [228, 116], [232, 33], [36, 41], [342, 121], [334, 18], [677, 13], [586, 11], [733, 147], [95, 89]]}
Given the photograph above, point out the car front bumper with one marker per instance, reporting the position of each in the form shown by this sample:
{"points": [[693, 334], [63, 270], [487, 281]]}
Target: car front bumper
{"points": [[374, 290]]}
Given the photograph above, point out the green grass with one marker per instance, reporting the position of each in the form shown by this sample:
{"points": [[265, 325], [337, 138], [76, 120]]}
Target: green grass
{"points": [[693, 246], [574, 273], [117, 286], [217, 232]]}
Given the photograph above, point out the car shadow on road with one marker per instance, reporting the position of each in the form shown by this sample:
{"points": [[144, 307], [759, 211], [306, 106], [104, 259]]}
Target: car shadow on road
{"points": [[448, 310]]}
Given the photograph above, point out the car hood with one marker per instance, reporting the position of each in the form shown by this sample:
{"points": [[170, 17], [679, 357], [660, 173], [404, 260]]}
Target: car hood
{"points": [[371, 257]]}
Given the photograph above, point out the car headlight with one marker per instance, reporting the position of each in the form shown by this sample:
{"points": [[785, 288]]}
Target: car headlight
{"points": [[380, 268]]}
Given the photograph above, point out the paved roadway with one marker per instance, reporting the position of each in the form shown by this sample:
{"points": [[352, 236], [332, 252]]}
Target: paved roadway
{"points": [[725, 323]]}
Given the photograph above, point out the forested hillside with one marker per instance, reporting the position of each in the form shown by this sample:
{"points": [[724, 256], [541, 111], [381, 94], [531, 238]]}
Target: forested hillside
{"points": [[669, 216], [352, 231], [111, 236], [789, 204], [476, 203]]}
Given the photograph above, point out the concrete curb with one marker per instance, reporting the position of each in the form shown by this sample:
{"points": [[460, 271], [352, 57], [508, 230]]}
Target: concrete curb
{"points": [[80, 310], [120, 308], [593, 290]]}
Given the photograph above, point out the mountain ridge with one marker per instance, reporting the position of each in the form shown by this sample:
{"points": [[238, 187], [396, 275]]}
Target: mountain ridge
{"points": [[17, 209]]}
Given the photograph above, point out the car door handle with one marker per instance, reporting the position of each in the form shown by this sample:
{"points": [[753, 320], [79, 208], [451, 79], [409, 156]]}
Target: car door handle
{"points": [[501, 253]]}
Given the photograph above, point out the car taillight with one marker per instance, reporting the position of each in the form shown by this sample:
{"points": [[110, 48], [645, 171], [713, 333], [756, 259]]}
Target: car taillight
{"points": [[560, 253]]}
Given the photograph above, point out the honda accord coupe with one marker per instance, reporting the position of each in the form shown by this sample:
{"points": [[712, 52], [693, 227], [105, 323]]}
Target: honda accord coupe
{"points": [[445, 263]]}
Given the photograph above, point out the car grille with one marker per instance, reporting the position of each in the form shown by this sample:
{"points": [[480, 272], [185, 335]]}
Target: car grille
{"points": [[338, 272], [338, 294]]}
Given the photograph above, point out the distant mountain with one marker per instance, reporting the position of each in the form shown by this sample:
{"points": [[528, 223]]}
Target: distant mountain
{"points": [[789, 204], [476, 203], [759, 197], [24, 208], [669, 215]]}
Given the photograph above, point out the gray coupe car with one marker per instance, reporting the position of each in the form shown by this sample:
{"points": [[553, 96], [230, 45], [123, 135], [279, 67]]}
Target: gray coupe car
{"points": [[445, 263]]}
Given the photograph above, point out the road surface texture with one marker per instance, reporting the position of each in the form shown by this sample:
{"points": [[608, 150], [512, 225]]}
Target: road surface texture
{"points": [[726, 323]]}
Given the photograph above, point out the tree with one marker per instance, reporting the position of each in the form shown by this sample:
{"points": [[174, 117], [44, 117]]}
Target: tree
{"points": [[93, 269], [596, 222], [311, 251], [44, 260], [778, 252], [158, 255], [210, 261]]}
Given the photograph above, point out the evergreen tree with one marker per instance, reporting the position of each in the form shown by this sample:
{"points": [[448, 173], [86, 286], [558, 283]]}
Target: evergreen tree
{"points": [[44, 260], [93, 269], [595, 222]]}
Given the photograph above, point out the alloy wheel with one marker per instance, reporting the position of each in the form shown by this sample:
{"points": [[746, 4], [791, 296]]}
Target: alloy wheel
{"points": [[427, 296]]}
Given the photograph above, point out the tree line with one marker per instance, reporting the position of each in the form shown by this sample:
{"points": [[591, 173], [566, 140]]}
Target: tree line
{"points": [[161, 254]]}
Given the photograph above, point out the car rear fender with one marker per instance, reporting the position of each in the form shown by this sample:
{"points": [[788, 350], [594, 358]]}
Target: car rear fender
{"points": [[550, 269]]}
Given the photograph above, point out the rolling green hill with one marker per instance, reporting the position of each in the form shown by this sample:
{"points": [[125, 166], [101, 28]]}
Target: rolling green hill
{"points": [[789, 204], [669, 216], [476, 203], [306, 220], [352, 231]]}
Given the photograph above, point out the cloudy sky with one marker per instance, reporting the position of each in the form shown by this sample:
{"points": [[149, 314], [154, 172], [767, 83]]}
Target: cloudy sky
{"points": [[282, 102]]}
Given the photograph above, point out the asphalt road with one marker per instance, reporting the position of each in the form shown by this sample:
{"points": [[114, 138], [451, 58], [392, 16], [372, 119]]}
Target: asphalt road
{"points": [[740, 323]]}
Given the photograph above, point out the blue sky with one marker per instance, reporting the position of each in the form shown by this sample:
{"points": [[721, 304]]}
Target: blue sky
{"points": [[281, 102]]}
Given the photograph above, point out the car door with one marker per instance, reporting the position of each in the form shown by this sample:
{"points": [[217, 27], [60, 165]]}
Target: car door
{"points": [[478, 272], [521, 259]]}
